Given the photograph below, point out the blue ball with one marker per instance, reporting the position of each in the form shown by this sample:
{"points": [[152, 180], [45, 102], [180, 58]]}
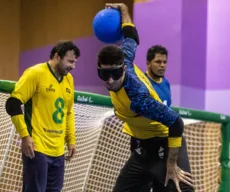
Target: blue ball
{"points": [[107, 26]]}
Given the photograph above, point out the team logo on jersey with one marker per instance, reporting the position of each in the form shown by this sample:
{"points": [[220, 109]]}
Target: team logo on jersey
{"points": [[165, 102], [50, 89], [139, 151], [161, 152], [68, 90]]}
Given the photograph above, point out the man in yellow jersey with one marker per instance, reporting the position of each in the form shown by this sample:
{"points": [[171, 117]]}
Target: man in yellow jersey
{"points": [[47, 92], [162, 154]]}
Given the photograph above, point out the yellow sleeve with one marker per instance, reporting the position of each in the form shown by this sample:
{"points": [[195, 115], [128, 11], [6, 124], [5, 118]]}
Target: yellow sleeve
{"points": [[174, 142], [24, 90], [20, 125], [26, 86], [70, 128]]}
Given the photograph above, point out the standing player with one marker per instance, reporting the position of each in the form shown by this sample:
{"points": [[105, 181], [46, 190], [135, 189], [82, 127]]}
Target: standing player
{"points": [[47, 92], [156, 62], [137, 104]]}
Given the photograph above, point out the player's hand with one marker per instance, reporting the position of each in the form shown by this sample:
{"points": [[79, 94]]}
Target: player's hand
{"points": [[28, 147], [71, 152], [177, 175], [120, 6]]}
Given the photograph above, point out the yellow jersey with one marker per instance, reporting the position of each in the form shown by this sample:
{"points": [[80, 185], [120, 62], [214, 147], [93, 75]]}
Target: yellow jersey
{"points": [[138, 105], [48, 108]]}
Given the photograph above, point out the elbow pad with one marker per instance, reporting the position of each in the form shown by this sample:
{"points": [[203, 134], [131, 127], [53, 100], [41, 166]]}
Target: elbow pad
{"points": [[131, 32], [177, 128], [13, 106]]}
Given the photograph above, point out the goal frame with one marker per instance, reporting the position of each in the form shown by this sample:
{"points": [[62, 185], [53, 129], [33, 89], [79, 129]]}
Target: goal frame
{"points": [[6, 86]]}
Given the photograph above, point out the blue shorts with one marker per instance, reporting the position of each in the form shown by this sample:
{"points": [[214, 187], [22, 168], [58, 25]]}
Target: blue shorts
{"points": [[43, 173]]}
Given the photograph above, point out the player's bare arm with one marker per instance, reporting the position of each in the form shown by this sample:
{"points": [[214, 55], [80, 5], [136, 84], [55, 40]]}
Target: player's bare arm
{"points": [[124, 11], [174, 172]]}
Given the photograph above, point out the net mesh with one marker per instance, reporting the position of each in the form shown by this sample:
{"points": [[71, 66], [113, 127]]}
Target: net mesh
{"points": [[102, 150]]}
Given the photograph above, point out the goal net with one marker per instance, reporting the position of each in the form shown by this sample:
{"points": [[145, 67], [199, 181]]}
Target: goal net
{"points": [[102, 148]]}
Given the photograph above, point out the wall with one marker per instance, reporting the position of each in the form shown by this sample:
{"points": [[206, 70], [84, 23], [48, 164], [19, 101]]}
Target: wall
{"points": [[9, 39], [161, 25], [169, 23], [196, 35], [193, 53], [218, 57]]}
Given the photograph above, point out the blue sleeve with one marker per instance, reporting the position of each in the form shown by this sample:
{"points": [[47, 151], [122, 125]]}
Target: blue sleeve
{"points": [[170, 96], [143, 104], [129, 47], [169, 88]]}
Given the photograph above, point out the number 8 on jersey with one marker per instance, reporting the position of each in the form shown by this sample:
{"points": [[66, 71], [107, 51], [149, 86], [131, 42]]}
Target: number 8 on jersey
{"points": [[58, 114]]}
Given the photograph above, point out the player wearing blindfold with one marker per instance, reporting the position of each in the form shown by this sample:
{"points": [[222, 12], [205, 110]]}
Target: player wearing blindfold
{"points": [[162, 154]]}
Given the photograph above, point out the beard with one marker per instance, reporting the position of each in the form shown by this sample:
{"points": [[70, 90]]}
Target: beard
{"points": [[63, 71], [153, 74], [156, 75], [114, 88]]}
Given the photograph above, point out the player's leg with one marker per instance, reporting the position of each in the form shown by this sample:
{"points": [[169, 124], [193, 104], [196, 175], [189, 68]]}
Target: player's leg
{"points": [[134, 144], [34, 173], [134, 174], [55, 174], [160, 170], [155, 148]]}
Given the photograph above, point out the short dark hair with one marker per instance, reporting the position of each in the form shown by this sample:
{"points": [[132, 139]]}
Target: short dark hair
{"points": [[156, 49], [110, 55], [62, 47]]}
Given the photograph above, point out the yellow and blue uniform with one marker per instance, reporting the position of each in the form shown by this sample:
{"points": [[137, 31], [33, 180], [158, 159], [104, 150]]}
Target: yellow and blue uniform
{"points": [[162, 88], [153, 124], [48, 109], [138, 104]]}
